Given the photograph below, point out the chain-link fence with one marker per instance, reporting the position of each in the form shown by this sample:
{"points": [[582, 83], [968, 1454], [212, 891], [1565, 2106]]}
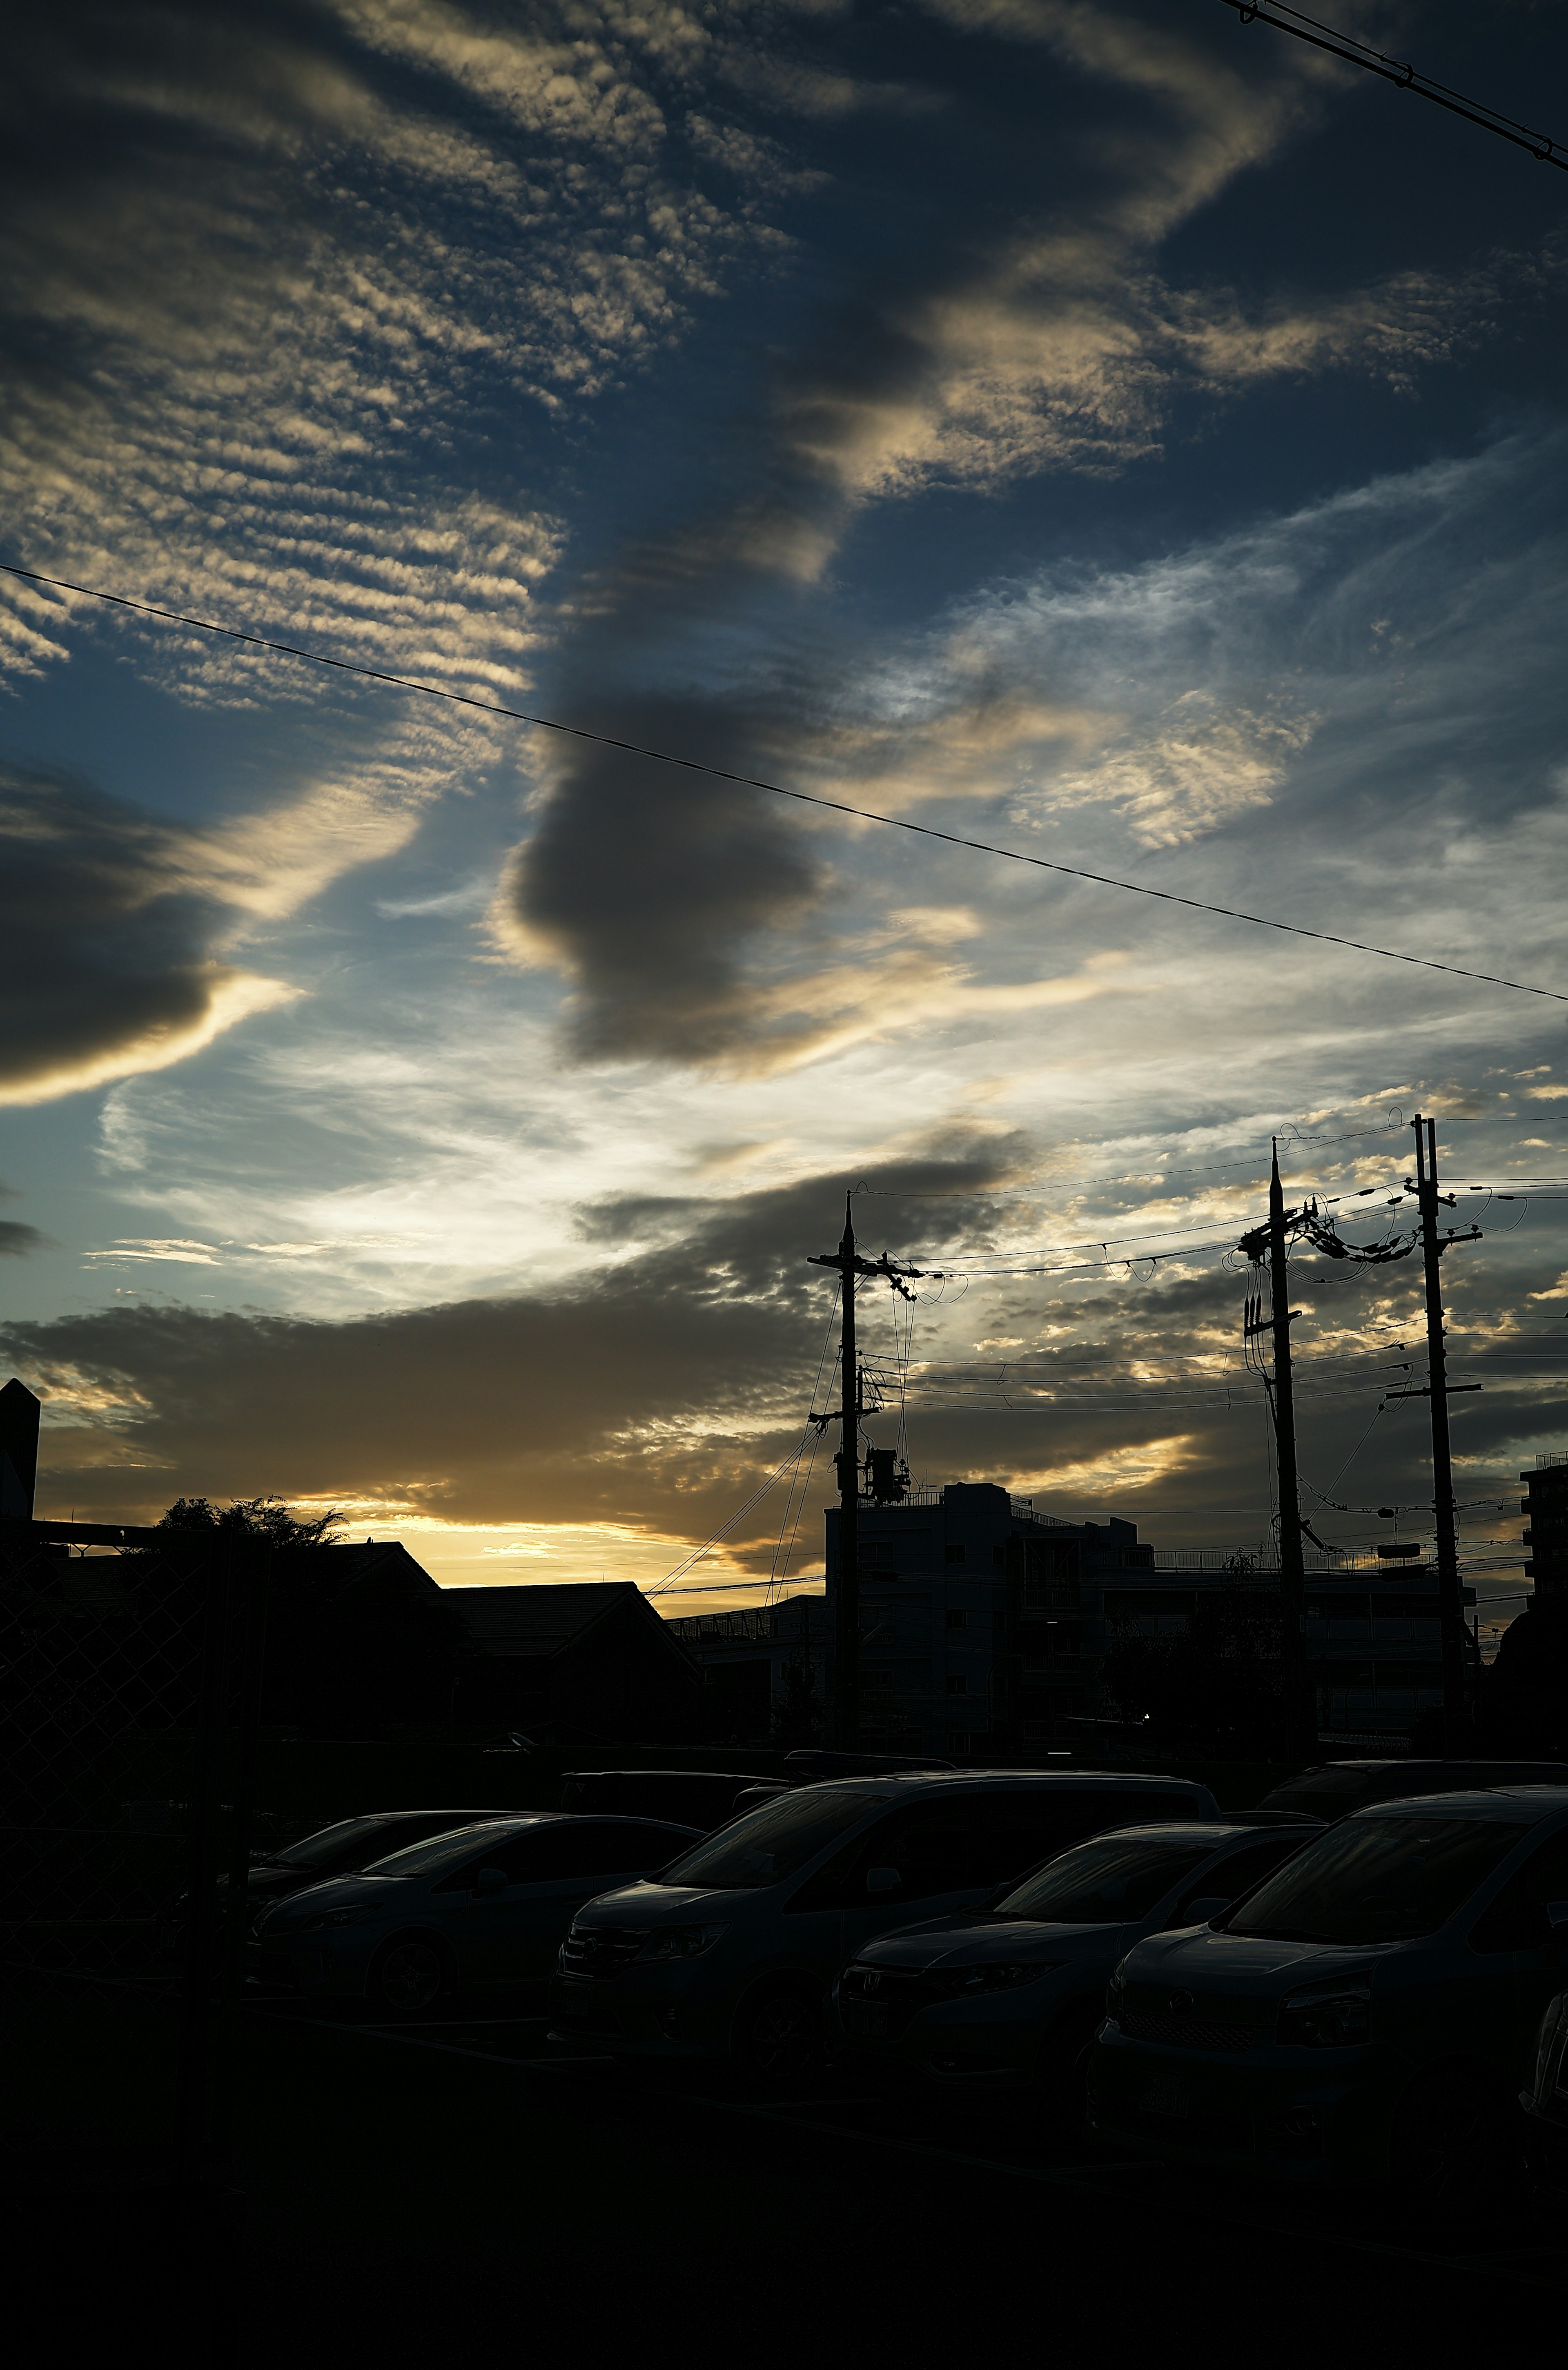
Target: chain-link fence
{"points": [[129, 1683]]}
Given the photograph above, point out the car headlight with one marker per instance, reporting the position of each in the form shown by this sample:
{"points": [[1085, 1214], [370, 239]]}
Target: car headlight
{"points": [[967, 1983], [1116, 1994], [1331, 2016], [682, 1941]]}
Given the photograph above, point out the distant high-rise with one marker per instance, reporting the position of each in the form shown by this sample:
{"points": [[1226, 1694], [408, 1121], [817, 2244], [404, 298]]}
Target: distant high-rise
{"points": [[1545, 1511], [19, 1451]]}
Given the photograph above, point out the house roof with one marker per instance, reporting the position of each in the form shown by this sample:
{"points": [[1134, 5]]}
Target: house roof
{"points": [[540, 1616]]}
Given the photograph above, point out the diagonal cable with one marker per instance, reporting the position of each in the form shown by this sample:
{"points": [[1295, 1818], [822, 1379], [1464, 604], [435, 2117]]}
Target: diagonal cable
{"points": [[778, 789]]}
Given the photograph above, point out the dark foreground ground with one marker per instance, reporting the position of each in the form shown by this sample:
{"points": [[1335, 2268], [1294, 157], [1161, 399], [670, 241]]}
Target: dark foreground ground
{"points": [[442, 2192]]}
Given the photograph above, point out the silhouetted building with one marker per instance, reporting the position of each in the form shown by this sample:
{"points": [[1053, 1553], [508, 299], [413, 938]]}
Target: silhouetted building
{"points": [[1545, 1510], [984, 1626], [754, 1664], [983, 1623], [1373, 1642], [590, 1656], [19, 1451]]}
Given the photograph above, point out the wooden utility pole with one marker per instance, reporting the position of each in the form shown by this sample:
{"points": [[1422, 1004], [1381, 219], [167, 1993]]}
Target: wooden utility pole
{"points": [[846, 1622]]}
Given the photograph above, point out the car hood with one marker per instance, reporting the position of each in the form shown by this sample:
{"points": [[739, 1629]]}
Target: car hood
{"points": [[260, 1881], [972, 1940], [1243, 1964], [657, 1905], [356, 1891]]}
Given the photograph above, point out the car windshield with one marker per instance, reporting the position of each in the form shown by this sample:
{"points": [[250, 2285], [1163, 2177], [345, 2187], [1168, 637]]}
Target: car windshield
{"points": [[438, 1853], [1103, 1883], [1376, 1880], [769, 1844], [313, 1851]]}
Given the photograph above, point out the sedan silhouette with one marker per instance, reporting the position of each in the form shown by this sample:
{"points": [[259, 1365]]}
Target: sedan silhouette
{"points": [[487, 1906]]}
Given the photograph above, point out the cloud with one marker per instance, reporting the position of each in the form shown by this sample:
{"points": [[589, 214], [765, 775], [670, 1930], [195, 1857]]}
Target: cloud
{"points": [[646, 899], [19, 1241], [271, 283], [971, 357], [107, 965], [645, 1399]]}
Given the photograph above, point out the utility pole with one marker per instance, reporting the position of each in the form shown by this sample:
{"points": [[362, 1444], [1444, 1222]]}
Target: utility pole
{"points": [[847, 1623], [846, 1639], [1298, 1704], [1450, 1610], [1300, 1722]]}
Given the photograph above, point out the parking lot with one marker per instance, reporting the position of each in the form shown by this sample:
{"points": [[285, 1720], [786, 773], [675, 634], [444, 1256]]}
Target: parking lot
{"points": [[400, 2185]]}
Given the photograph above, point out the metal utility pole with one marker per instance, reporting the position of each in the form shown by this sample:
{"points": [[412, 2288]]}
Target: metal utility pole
{"points": [[1450, 1610], [847, 1623]]}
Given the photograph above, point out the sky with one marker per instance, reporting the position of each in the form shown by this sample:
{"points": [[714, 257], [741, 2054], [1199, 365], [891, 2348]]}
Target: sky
{"points": [[1107, 432]]}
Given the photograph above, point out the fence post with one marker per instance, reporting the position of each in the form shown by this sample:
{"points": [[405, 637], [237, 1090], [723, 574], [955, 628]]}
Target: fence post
{"points": [[207, 1792], [254, 1565]]}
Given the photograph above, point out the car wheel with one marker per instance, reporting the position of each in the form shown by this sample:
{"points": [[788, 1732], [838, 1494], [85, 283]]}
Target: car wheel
{"points": [[409, 1975], [1456, 2154], [780, 2039]]}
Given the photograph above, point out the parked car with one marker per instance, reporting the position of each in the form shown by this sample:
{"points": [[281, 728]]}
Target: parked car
{"points": [[1546, 2100], [487, 1905], [703, 1798], [730, 1951], [1334, 1788], [1000, 2010], [1370, 2013], [337, 1850]]}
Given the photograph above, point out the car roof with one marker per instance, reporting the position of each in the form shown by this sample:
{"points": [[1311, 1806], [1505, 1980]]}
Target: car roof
{"points": [[1484, 1802], [1211, 1831], [900, 1782], [388, 1816], [514, 1821]]}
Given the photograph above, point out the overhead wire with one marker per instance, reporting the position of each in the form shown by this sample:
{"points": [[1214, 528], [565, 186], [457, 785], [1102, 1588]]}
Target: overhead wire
{"points": [[1545, 150], [779, 1567], [777, 790]]}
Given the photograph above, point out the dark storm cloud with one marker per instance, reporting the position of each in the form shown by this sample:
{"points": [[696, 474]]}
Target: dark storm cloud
{"points": [[107, 960], [18, 1241], [645, 893]]}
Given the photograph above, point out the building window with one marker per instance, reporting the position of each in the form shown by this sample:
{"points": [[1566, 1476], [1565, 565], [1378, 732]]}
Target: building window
{"points": [[959, 1686], [955, 1554], [958, 1619], [876, 1555], [957, 1743]]}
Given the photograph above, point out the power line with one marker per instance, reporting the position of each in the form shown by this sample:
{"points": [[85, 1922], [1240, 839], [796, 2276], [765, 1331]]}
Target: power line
{"points": [[777, 790], [1404, 77]]}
